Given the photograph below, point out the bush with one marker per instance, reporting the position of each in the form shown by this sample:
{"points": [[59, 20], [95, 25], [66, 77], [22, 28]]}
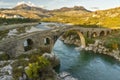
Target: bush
{"points": [[35, 68], [17, 72], [16, 20], [89, 40], [4, 56], [18, 68]]}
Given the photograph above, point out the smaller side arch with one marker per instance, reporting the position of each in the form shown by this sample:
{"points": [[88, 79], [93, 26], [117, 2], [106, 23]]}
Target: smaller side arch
{"points": [[46, 41], [108, 32], [102, 33], [94, 34], [28, 44]]}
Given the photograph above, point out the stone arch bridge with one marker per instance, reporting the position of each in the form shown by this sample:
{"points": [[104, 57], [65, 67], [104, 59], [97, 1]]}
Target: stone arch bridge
{"points": [[45, 40]]}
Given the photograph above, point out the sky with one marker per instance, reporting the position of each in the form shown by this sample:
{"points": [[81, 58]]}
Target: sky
{"points": [[55, 4]]}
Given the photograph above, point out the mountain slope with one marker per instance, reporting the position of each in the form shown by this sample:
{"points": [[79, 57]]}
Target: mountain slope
{"points": [[103, 18], [28, 7], [75, 8], [26, 11]]}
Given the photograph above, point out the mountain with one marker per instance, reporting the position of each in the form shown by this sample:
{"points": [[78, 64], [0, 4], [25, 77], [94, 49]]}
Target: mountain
{"points": [[38, 13], [75, 8], [109, 18], [28, 7], [25, 10], [76, 15]]}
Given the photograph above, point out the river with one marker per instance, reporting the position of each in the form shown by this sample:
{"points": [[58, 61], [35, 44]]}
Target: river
{"points": [[86, 65]]}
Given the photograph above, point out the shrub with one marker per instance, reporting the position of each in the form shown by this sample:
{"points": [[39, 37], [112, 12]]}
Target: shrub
{"points": [[18, 68], [89, 40], [4, 56], [35, 68]]}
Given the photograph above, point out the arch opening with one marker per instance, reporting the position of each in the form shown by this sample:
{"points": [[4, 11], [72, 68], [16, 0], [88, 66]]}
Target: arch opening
{"points": [[73, 35], [108, 32], [46, 41], [28, 44], [94, 34], [102, 33]]}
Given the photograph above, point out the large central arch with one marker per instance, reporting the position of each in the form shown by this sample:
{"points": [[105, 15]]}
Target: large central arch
{"points": [[81, 37]]}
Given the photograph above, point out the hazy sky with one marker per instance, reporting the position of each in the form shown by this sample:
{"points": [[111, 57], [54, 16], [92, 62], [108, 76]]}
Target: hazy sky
{"points": [[54, 4]]}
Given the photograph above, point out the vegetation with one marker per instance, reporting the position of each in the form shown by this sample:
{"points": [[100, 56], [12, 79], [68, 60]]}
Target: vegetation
{"points": [[69, 33], [107, 18], [112, 41], [34, 69], [6, 21], [22, 62], [89, 40], [4, 56], [18, 68], [34, 65]]}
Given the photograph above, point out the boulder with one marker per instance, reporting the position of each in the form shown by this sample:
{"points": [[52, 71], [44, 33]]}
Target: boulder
{"points": [[2, 52], [7, 69], [6, 77], [52, 58], [66, 76]]}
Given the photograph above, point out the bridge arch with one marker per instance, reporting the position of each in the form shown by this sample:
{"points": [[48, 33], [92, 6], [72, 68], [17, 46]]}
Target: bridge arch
{"points": [[94, 34], [80, 34], [108, 32], [102, 33], [28, 44], [47, 41]]}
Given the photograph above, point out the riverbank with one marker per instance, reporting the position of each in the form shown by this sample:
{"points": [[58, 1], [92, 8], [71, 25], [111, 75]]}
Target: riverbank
{"points": [[12, 26], [97, 47]]}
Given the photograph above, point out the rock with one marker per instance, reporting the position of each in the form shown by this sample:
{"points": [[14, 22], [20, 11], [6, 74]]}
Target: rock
{"points": [[7, 69], [86, 48], [95, 50], [52, 58], [65, 41], [6, 77], [90, 48], [71, 37], [1, 52], [70, 78], [116, 52], [24, 77], [99, 50], [66, 76], [61, 38]]}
